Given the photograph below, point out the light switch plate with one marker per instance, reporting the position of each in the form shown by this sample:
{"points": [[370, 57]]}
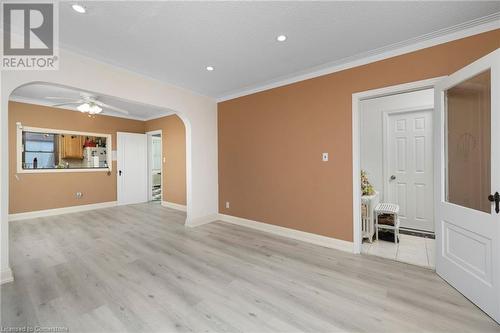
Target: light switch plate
{"points": [[325, 157]]}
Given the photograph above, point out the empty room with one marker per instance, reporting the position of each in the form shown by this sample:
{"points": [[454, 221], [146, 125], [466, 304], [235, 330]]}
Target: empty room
{"points": [[250, 166]]}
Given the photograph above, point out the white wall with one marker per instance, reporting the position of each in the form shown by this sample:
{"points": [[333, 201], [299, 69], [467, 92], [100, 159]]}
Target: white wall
{"points": [[371, 120], [198, 112]]}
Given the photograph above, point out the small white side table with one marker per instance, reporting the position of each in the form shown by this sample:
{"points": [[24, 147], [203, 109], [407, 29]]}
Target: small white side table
{"points": [[391, 209]]}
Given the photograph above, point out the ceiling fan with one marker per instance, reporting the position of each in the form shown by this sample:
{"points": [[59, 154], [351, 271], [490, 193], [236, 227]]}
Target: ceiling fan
{"points": [[87, 103]]}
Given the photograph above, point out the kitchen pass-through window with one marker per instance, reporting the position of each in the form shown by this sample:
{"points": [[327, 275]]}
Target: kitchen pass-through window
{"points": [[39, 150]]}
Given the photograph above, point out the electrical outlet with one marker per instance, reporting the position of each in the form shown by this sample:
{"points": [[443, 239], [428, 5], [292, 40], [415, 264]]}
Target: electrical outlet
{"points": [[79, 195], [227, 204], [325, 157]]}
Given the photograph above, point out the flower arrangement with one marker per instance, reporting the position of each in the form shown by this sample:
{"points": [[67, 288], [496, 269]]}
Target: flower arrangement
{"points": [[366, 187]]}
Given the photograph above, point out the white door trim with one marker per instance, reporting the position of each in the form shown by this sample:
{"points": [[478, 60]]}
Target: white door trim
{"points": [[150, 174], [356, 147]]}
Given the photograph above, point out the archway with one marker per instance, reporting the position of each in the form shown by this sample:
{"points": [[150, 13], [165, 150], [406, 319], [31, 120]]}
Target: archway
{"points": [[54, 108], [199, 114]]}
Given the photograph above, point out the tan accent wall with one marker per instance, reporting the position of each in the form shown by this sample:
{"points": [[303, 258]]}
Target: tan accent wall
{"points": [[270, 143], [38, 191], [174, 152]]}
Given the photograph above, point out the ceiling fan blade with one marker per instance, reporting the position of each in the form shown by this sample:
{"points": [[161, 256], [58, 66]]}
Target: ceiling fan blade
{"points": [[110, 107], [69, 103], [61, 98]]}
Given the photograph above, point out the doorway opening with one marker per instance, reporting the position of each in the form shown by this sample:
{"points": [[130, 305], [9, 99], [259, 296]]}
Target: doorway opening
{"points": [[397, 169], [393, 153], [155, 162]]}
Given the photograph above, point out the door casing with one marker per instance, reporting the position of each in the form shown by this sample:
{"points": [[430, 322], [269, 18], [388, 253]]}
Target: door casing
{"points": [[150, 175], [356, 148]]}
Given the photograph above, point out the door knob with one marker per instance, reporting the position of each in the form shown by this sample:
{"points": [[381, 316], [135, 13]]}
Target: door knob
{"points": [[496, 199], [393, 177], [119, 173]]}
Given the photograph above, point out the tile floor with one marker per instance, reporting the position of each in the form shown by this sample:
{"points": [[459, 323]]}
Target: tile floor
{"points": [[410, 249]]}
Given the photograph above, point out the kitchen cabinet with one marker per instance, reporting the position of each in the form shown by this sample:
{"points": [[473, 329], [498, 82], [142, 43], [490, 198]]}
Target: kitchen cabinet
{"points": [[71, 146]]}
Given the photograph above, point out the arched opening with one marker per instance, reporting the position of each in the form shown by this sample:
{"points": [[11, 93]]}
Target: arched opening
{"points": [[198, 113], [72, 184], [167, 153]]}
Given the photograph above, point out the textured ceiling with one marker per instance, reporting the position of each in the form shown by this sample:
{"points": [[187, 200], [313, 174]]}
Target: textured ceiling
{"points": [[175, 41]]}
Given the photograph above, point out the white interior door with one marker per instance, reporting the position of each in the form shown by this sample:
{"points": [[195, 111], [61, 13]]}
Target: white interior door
{"points": [[132, 168], [410, 176], [468, 172]]}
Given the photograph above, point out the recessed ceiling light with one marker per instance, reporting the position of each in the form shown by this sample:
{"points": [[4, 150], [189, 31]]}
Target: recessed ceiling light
{"points": [[281, 38], [79, 8], [210, 68]]}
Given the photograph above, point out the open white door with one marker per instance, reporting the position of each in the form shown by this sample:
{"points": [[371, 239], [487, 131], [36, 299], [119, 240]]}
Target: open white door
{"points": [[132, 168], [468, 179]]}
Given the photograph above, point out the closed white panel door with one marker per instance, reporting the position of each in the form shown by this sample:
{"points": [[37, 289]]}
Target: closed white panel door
{"points": [[156, 153], [409, 178], [132, 166], [468, 161]]}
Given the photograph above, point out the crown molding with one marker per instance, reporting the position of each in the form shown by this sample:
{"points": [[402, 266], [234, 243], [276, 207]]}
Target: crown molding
{"points": [[459, 31], [42, 102]]}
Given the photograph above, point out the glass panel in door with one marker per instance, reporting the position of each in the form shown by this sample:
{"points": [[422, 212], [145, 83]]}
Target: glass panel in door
{"points": [[468, 148]]}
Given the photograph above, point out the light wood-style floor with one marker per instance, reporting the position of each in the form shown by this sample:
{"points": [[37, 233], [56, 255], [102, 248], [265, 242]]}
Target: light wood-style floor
{"points": [[138, 269]]}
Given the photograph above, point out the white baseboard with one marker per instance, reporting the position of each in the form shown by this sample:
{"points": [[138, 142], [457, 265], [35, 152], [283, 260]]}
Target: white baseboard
{"points": [[173, 205], [329, 242], [6, 276], [59, 211], [202, 220]]}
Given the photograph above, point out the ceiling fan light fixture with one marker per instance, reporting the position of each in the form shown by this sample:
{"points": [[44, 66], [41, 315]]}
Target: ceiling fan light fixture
{"points": [[94, 109], [85, 107], [281, 38], [79, 8], [89, 108]]}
